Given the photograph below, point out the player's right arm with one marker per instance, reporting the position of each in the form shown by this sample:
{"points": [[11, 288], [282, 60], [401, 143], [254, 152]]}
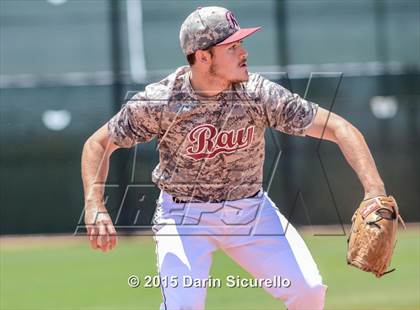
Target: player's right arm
{"points": [[95, 165], [136, 122]]}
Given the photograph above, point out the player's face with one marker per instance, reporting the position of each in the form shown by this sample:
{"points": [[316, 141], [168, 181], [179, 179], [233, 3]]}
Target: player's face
{"points": [[229, 62]]}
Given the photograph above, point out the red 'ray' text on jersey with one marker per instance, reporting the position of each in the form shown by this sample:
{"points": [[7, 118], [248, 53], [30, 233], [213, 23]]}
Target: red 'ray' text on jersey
{"points": [[208, 142]]}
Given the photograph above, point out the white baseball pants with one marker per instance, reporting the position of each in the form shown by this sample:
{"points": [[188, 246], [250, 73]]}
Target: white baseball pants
{"points": [[251, 231]]}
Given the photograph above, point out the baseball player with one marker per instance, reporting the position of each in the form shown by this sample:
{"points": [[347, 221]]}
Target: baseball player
{"points": [[209, 119]]}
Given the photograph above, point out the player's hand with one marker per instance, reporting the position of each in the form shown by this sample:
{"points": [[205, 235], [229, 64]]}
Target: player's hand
{"points": [[100, 230]]}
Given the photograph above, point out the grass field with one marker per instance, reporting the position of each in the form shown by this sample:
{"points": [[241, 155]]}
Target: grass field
{"points": [[64, 273]]}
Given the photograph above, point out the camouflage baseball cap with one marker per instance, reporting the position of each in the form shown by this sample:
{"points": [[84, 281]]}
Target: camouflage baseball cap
{"points": [[210, 26]]}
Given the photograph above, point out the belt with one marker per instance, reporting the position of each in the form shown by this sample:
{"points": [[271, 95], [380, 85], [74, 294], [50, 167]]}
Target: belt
{"points": [[177, 200]]}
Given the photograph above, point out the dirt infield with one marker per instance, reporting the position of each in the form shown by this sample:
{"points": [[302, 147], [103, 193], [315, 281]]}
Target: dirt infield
{"points": [[65, 240], [15, 242]]}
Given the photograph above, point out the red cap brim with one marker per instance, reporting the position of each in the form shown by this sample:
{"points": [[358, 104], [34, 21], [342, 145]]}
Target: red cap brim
{"points": [[239, 35]]}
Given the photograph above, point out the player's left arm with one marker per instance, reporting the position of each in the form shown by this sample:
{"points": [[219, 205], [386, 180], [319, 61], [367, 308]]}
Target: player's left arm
{"points": [[332, 127]]}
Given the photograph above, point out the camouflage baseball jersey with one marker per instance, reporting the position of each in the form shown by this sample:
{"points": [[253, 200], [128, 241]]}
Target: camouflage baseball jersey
{"points": [[210, 148]]}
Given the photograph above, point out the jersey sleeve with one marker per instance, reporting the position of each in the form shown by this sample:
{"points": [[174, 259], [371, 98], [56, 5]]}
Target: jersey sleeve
{"points": [[285, 111], [136, 122]]}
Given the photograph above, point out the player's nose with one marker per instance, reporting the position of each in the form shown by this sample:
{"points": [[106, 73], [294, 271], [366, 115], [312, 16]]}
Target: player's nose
{"points": [[243, 53]]}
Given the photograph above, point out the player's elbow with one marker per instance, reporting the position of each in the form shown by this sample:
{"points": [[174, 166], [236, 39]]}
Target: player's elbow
{"points": [[343, 131], [91, 147], [100, 142], [95, 146], [90, 144]]}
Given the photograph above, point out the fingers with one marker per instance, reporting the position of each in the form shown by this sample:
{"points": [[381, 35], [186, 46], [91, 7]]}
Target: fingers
{"points": [[93, 236], [102, 235], [112, 235], [107, 236], [388, 201]]}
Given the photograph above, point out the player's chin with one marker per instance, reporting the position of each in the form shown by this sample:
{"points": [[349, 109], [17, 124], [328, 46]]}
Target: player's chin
{"points": [[241, 76]]}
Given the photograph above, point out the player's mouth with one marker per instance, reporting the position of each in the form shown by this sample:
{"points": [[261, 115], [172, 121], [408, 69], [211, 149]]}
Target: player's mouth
{"points": [[243, 64]]}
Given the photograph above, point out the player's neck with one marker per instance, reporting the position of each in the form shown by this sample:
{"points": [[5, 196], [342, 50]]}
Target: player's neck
{"points": [[207, 86]]}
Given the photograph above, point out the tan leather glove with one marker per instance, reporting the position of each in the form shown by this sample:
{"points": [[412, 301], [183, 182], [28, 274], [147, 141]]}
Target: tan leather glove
{"points": [[373, 235]]}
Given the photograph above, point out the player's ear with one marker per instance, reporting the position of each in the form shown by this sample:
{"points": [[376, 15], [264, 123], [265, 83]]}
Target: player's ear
{"points": [[203, 57]]}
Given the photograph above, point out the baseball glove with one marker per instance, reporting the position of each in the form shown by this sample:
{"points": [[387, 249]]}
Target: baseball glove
{"points": [[373, 235]]}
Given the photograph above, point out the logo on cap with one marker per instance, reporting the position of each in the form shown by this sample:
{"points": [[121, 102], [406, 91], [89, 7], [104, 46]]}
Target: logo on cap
{"points": [[233, 23]]}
